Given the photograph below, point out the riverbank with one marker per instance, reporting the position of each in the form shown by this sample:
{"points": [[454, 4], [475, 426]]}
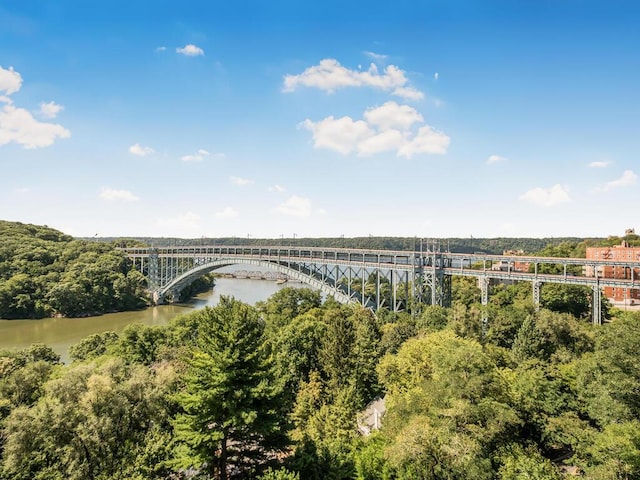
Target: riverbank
{"points": [[62, 332]]}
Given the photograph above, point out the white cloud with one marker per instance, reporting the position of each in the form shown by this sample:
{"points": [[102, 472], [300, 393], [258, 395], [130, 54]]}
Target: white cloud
{"points": [[377, 57], [295, 206], [342, 134], [392, 115], [547, 197], [385, 128], [228, 212], [495, 159], [188, 221], [277, 188], [382, 142], [190, 50], [10, 81], [196, 157], [241, 182], [112, 194], [599, 164], [50, 110], [161, 49], [137, 149], [427, 140], [18, 125], [329, 76], [408, 93], [436, 76], [628, 178]]}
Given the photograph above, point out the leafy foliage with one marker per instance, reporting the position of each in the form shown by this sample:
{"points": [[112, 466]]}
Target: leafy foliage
{"points": [[44, 272], [279, 391]]}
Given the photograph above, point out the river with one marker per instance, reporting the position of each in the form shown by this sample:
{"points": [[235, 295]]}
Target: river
{"points": [[60, 333]]}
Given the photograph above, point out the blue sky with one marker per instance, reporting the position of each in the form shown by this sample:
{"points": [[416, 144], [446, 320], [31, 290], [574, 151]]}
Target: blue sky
{"points": [[268, 119]]}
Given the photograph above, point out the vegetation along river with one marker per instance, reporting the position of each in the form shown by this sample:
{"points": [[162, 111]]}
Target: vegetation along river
{"points": [[60, 333]]}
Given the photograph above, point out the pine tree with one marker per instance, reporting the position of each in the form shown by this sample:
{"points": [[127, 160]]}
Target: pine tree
{"points": [[229, 424]]}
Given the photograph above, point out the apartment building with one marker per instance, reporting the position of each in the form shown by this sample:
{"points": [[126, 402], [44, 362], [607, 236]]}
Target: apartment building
{"points": [[622, 252]]}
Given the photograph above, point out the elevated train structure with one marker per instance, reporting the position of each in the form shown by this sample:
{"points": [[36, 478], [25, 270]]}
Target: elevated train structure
{"points": [[396, 280]]}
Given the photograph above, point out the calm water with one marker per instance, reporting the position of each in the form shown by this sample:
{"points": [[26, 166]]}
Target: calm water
{"points": [[60, 333]]}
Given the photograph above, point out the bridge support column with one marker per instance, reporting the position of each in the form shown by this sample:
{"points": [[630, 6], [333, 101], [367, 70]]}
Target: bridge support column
{"points": [[536, 294], [483, 283], [154, 269], [596, 307]]}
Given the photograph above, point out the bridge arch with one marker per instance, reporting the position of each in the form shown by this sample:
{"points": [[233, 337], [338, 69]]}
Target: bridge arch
{"points": [[182, 281]]}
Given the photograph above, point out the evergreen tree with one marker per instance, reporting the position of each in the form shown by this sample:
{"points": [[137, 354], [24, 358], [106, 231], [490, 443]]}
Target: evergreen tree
{"points": [[229, 424]]}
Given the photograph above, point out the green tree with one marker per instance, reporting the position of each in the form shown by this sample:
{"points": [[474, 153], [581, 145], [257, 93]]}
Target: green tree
{"points": [[95, 421], [229, 420], [92, 346], [525, 463], [287, 303]]}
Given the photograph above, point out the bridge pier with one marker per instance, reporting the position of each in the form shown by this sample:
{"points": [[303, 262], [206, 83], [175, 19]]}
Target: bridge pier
{"points": [[483, 283], [596, 306], [536, 294]]}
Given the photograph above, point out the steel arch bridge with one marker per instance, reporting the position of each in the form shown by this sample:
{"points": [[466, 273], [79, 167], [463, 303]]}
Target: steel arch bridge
{"points": [[395, 280]]}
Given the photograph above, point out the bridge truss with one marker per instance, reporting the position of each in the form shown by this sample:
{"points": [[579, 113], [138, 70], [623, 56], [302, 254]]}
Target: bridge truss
{"points": [[395, 280]]}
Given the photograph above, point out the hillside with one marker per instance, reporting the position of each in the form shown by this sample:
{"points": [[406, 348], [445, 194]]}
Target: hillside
{"points": [[44, 272]]}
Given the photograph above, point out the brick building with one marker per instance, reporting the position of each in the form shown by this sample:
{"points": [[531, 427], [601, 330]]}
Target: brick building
{"points": [[622, 252]]}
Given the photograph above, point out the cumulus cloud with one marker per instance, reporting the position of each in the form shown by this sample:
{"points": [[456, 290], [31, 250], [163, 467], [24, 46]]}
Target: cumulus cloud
{"points": [[389, 127], [598, 164], [190, 50], [50, 110], [495, 159], [295, 206], [228, 212], [408, 93], [196, 157], [137, 149], [547, 197], [342, 134], [384, 141], [241, 182], [427, 140], [112, 194], [329, 76], [18, 125], [10, 81], [391, 115], [628, 178]]}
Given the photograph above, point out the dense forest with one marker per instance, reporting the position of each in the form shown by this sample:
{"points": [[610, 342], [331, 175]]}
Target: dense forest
{"points": [[44, 273], [279, 391]]}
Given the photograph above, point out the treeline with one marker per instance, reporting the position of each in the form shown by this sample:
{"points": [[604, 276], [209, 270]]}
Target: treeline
{"points": [[276, 391], [44, 272]]}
